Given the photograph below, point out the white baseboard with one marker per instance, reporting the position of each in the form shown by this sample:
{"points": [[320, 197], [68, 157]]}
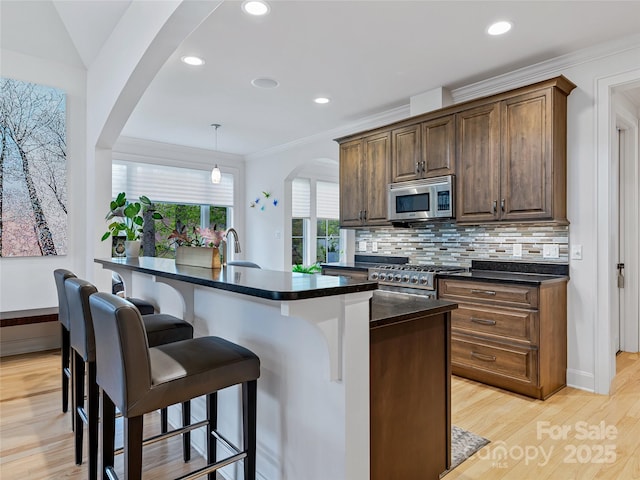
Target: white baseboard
{"points": [[36, 337], [581, 380]]}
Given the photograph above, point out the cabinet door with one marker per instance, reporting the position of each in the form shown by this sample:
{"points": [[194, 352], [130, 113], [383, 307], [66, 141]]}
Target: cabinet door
{"points": [[377, 149], [406, 156], [478, 163], [351, 181], [527, 184], [438, 146]]}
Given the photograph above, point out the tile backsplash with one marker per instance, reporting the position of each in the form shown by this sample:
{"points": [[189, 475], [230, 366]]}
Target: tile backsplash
{"points": [[445, 243]]}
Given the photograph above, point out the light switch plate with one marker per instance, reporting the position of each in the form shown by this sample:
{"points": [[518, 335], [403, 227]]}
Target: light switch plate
{"points": [[362, 245], [576, 252], [550, 250], [517, 250]]}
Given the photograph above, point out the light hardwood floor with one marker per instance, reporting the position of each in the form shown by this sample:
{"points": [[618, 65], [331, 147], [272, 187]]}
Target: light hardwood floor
{"points": [[527, 439]]}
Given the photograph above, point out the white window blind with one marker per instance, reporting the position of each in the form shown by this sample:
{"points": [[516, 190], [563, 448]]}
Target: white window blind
{"points": [[327, 200], [170, 184], [300, 198]]}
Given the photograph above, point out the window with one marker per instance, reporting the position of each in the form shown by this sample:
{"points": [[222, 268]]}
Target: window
{"points": [[202, 216], [300, 213], [178, 194], [315, 228], [328, 240]]}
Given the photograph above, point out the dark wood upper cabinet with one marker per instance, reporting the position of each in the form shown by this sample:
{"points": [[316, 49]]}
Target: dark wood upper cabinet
{"points": [[423, 150], [438, 146], [478, 139], [351, 185], [507, 151], [511, 156], [364, 174], [406, 155]]}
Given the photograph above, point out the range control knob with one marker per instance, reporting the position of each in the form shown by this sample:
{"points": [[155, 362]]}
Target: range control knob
{"points": [[382, 277], [423, 280], [405, 278], [414, 279], [397, 277], [374, 276]]}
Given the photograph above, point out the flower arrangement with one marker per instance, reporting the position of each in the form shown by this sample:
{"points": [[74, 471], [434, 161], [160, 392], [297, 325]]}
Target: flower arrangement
{"points": [[198, 237]]}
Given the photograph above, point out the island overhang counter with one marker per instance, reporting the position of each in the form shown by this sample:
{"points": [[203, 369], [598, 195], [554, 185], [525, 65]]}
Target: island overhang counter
{"points": [[311, 333]]}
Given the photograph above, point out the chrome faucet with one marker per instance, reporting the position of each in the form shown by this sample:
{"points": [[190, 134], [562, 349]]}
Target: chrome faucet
{"points": [[236, 242]]}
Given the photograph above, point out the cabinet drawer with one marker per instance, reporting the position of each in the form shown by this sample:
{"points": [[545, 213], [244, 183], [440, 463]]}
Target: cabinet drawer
{"points": [[520, 325], [494, 359], [489, 292]]}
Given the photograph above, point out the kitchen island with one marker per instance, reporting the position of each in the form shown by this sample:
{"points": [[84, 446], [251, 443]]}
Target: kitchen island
{"points": [[311, 333]]}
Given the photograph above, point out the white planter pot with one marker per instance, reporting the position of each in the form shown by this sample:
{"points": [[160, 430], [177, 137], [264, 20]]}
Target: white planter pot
{"points": [[132, 248]]}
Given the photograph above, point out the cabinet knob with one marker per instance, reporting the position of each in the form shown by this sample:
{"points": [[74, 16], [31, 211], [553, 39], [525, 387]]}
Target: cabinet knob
{"points": [[364, 214], [424, 166], [502, 204], [495, 206], [417, 167]]}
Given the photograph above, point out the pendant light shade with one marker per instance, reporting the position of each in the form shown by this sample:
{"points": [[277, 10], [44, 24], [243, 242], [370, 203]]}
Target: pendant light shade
{"points": [[216, 175]]}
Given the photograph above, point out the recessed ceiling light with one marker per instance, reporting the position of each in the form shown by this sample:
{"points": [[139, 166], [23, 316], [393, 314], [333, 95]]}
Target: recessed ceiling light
{"points": [[256, 7], [264, 82], [322, 100], [499, 28], [191, 60]]}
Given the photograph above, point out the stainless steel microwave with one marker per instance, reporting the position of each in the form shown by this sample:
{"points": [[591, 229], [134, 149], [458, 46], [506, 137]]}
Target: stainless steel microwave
{"points": [[421, 200]]}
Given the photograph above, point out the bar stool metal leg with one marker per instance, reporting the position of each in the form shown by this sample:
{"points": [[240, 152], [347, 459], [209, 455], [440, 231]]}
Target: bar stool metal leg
{"points": [[93, 402], [108, 435], [66, 369], [212, 416], [249, 403], [79, 400], [133, 447], [186, 438]]}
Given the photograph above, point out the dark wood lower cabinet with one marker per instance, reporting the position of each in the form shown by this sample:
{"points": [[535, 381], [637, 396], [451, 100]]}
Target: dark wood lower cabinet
{"points": [[410, 382]]}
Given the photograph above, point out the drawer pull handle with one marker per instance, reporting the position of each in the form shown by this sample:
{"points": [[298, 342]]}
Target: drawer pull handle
{"points": [[484, 292], [483, 357], [482, 321]]}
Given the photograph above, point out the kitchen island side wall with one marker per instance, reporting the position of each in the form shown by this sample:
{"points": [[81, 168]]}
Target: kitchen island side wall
{"points": [[445, 243]]}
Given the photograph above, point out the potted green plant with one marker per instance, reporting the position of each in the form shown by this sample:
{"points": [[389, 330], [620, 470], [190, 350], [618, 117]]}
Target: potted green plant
{"points": [[128, 220]]}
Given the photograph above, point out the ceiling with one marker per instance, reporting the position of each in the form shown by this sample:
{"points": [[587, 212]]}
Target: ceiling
{"points": [[367, 56]]}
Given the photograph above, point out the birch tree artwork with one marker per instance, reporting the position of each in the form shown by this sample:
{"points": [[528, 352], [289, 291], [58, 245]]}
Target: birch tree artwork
{"points": [[33, 170]]}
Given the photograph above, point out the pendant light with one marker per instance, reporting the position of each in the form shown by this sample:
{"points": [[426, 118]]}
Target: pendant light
{"points": [[216, 176]]}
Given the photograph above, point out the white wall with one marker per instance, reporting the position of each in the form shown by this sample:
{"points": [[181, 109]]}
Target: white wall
{"points": [[27, 282]]}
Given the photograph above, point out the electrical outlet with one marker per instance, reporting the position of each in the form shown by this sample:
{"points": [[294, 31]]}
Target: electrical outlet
{"points": [[576, 252], [374, 246], [362, 245], [517, 250], [550, 250]]}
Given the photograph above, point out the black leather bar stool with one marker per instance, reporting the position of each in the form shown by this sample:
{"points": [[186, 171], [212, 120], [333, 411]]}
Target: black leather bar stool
{"points": [[159, 329], [165, 375], [60, 275]]}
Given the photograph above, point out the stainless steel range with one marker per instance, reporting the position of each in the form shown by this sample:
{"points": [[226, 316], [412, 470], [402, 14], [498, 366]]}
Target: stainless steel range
{"points": [[409, 279]]}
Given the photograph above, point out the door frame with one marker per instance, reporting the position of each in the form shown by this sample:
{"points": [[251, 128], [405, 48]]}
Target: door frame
{"points": [[627, 153], [606, 222]]}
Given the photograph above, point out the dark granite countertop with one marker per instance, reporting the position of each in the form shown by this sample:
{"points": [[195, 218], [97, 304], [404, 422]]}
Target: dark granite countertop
{"points": [[270, 284], [389, 308], [513, 272]]}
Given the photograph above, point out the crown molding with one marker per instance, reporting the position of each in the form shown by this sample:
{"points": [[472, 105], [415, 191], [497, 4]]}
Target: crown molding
{"points": [[543, 70]]}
